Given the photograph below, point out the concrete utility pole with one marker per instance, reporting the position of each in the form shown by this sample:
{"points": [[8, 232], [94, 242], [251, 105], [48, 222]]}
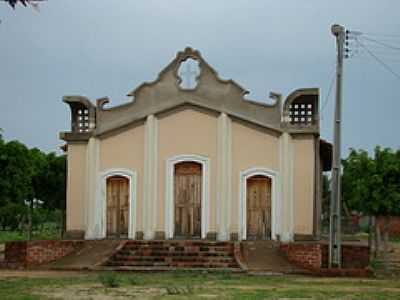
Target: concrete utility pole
{"points": [[335, 247]]}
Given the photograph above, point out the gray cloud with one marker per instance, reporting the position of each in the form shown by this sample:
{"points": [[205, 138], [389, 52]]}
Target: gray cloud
{"points": [[104, 48]]}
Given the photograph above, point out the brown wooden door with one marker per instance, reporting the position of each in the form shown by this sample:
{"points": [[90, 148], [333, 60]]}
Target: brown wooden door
{"points": [[258, 208], [117, 207], [187, 196]]}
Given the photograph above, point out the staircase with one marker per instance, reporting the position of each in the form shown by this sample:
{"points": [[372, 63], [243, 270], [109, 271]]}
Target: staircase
{"points": [[166, 255], [265, 256]]}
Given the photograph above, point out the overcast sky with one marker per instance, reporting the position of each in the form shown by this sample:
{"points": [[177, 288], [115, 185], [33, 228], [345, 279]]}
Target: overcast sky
{"points": [[103, 48]]}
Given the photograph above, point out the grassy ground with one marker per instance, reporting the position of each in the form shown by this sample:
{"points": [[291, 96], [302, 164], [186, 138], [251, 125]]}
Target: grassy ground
{"points": [[191, 285], [49, 232]]}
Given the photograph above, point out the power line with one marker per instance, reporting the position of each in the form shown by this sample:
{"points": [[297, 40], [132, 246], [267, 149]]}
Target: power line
{"points": [[386, 66], [382, 35], [382, 43], [327, 95]]}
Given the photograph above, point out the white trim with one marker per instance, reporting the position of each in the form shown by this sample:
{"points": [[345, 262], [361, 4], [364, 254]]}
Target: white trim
{"points": [[169, 196], [150, 186], [224, 177], [131, 176], [275, 197], [286, 167], [91, 208]]}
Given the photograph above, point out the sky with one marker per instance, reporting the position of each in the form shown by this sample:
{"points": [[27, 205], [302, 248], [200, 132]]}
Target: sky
{"points": [[99, 48]]}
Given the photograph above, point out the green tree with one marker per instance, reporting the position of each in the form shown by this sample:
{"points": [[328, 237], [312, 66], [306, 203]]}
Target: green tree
{"points": [[29, 180], [25, 3], [371, 185]]}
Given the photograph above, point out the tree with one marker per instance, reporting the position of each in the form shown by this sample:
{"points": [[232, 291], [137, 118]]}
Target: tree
{"points": [[371, 185], [29, 176], [25, 3]]}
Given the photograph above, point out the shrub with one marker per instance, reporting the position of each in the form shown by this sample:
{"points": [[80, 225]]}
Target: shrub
{"points": [[109, 279]]}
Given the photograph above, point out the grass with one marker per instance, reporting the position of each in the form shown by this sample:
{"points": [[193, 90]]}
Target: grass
{"points": [[48, 232], [109, 279], [196, 285]]}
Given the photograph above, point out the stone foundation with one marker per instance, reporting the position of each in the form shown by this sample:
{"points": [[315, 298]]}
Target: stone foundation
{"points": [[74, 235]]}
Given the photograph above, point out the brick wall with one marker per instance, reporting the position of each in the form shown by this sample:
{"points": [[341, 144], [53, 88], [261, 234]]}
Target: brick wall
{"points": [[354, 256], [394, 229], [25, 254], [304, 255], [314, 256], [15, 254]]}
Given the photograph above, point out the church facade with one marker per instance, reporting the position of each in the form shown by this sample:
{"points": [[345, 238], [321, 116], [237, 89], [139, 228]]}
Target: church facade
{"points": [[194, 159]]}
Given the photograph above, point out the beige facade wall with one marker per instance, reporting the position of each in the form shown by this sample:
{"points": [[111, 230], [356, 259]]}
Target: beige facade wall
{"points": [[303, 184], [186, 132], [125, 150], [251, 147], [76, 186]]}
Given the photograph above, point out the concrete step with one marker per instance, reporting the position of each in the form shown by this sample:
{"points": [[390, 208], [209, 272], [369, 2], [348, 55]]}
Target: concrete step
{"points": [[265, 256], [121, 257], [173, 264], [179, 254], [174, 253]]}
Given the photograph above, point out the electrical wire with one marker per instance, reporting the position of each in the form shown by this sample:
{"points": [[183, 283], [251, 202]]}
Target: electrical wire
{"points": [[380, 61], [327, 95], [394, 36], [382, 43]]}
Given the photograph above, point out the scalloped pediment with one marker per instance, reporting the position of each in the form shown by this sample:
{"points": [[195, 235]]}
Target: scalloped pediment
{"points": [[170, 76], [167, 91]]}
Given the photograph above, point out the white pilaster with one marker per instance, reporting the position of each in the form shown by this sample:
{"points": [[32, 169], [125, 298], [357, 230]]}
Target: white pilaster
{"points": [[287, 205], [224, 176], [150, 177], [93, 207]]}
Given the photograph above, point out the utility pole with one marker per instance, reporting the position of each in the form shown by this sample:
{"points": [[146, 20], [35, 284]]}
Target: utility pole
{"points": [[335, 247]]}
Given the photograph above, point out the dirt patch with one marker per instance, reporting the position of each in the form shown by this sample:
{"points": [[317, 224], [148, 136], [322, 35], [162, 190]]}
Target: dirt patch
{"points": [[99, 292], [40, 274]]}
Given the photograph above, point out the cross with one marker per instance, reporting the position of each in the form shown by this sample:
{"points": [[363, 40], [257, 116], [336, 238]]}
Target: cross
{"points": [[187, 76]]}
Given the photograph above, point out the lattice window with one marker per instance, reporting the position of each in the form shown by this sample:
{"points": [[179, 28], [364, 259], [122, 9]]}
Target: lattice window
{"points": [[82, 120], [301, 113]]}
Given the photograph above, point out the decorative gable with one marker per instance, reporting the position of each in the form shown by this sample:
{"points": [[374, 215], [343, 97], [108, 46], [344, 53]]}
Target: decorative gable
{"points": [[188, 80]]}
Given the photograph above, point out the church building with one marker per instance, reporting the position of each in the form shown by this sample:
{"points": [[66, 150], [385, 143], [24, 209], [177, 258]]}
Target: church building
{"points": [[189, 157]]}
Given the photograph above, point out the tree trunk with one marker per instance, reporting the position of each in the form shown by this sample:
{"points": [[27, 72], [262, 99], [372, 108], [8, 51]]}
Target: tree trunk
{"points": [[62, 225], [371, 223], [386, 243], [377, 238], [30, 210]]}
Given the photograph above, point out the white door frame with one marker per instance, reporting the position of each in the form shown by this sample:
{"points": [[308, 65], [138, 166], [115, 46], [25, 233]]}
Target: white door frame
{"points": [[205, 192], [244, 175], [131, 176]]}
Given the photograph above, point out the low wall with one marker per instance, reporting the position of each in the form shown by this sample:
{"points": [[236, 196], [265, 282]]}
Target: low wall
{"points": [[354, 256], [314, 256], [394, 225], [22, 254], [304, 255]]}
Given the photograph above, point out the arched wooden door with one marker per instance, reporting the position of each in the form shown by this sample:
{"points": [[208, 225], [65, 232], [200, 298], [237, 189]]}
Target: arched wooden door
{"points": [[117, 207], [258, 208], [187, 199]]}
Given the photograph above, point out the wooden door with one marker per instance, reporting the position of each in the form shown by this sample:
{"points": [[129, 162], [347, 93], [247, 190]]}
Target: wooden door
{"points": [[117, 207], [187, 198], [258, 208]]}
